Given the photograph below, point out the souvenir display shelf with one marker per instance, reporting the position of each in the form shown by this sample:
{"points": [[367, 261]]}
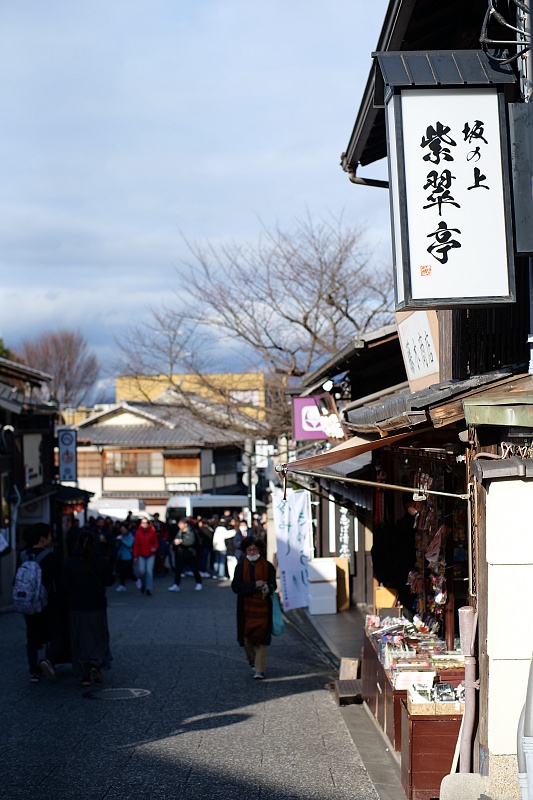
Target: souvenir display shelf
{"points": [[427, 747], [396, 655]]}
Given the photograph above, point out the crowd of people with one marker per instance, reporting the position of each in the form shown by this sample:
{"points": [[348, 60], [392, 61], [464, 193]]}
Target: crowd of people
{"points": [[72, 625]]}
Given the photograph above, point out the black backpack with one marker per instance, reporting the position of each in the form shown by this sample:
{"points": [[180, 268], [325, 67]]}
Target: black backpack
{"points": [[188, 538]]}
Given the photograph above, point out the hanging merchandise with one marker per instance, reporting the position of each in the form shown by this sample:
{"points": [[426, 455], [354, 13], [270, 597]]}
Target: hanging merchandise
{"points": [[440, 541]]}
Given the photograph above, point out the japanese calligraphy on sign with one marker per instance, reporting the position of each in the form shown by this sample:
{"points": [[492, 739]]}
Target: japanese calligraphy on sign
{"points": [[292, 524], [451, 226], [418, 332]]}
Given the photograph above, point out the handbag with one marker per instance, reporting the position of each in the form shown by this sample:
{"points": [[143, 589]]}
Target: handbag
{"points": [[278, 623]]}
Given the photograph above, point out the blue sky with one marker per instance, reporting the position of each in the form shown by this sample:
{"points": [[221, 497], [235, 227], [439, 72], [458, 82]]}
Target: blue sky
{"points": [[125, 123]]}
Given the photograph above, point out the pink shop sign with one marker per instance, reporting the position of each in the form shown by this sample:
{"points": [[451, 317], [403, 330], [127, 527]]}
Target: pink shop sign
{"points": [[307, 423]]}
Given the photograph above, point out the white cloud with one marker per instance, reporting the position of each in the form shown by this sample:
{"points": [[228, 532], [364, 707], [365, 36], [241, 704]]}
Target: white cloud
{"points": [[126, 123]]}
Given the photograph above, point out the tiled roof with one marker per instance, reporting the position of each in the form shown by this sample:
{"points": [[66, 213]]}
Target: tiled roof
{"points": [[192, 433], [11, 399]]}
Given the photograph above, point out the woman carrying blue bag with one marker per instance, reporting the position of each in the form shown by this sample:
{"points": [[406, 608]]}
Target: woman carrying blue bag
{"points": [[254, 584]]}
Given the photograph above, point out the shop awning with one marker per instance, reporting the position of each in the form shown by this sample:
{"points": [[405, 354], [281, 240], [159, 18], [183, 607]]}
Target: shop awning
{"points": [[355, 446], [72, 495]]}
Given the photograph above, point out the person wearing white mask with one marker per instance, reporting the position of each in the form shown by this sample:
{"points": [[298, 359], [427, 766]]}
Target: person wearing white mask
{"points": [[254, 583], [242, 532]]}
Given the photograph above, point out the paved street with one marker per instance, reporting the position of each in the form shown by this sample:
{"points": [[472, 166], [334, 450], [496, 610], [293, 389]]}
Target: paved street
{"points": [[206, 730]]}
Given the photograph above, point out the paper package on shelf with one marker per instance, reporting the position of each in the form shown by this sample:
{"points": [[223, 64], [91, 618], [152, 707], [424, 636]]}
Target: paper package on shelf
{"points": [[405, 679]]}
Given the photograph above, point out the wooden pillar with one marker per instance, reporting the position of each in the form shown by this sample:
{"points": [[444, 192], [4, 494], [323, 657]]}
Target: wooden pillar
{"points": [[452, 326]]}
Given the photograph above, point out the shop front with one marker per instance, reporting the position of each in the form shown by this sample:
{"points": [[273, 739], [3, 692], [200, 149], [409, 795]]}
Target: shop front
{"points": [[413, 666], [27, 484]]}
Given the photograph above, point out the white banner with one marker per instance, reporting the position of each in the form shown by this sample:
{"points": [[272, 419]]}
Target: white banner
{"points": [[292, 523]]}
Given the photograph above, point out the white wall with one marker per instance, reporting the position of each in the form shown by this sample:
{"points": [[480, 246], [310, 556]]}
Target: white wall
{"points": [[133, 485], [510, 585]]}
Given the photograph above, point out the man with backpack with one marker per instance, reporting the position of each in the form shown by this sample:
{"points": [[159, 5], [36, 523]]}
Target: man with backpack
{"points": [[34, 595]]}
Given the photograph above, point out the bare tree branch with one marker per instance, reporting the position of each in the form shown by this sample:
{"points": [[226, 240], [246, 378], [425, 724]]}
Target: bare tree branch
{"points": [[66, 356], [295, 297]]}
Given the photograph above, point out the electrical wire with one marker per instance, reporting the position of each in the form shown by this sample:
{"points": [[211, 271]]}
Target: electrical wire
{"points": [[493, 13]]}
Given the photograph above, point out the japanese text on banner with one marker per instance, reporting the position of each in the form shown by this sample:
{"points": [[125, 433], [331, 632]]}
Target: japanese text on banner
{"points": [[292, 523]]}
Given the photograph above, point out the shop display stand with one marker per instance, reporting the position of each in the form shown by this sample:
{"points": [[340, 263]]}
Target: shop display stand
{"points": [[427, 749], [426, 743], [380, 696]]}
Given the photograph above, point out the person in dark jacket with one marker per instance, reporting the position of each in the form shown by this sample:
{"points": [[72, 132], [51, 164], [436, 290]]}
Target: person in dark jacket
{"points": [[254, 583], [84, 579], [404, 554], [185, 555], [43, 628], [204, 533], [124, 556]]}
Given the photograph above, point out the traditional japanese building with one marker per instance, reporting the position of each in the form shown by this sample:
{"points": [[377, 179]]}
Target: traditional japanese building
{"points": [[460, 436], [27, 473]]}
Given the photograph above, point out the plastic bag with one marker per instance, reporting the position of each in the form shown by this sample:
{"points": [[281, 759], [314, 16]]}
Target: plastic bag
{"points": [[278, 623]]}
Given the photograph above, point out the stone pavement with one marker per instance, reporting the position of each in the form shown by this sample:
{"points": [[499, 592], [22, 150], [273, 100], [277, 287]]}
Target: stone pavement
{"points": [[206, 730]]}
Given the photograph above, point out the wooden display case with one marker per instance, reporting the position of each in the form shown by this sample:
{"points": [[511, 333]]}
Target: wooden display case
{"points": [[427, 745], [382, 699]]}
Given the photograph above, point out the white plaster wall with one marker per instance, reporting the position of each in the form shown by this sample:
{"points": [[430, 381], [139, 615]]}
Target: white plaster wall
{"points": [[509, 526], [133, 485], [510, 581], [125, 418], [91, 485], [507, 693]]}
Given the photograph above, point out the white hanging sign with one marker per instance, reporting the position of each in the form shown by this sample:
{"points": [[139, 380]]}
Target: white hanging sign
{"points": [[451, 220]]}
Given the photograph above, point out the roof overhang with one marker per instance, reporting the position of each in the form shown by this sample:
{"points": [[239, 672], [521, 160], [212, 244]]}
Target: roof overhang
{"points": [[423, 411], [341, 361], [440, 68], [72, 495], [409, 25], [509, 404], [439, 405], [21, 372]]}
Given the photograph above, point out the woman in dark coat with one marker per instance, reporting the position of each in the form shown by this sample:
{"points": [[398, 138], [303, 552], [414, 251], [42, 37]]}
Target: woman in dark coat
{"points": [[84, 579], [254, 583]]}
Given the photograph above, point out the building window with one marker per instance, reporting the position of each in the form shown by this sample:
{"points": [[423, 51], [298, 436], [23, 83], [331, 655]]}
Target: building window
{"points": [[182, 467], [89, 465], [133, 463]]}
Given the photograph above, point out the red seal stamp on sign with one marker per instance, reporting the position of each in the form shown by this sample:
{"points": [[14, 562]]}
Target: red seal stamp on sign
{"points": [[425, 270]]}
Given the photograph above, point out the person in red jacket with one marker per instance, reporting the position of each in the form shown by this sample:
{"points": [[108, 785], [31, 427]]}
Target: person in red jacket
{"points": [[145, 547]]}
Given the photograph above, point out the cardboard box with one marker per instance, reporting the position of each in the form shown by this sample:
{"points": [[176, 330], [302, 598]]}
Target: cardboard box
{"points": [[421, 709], [322, 605], [383, 597], [322, 569], [343, 583], [449, 709]]}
